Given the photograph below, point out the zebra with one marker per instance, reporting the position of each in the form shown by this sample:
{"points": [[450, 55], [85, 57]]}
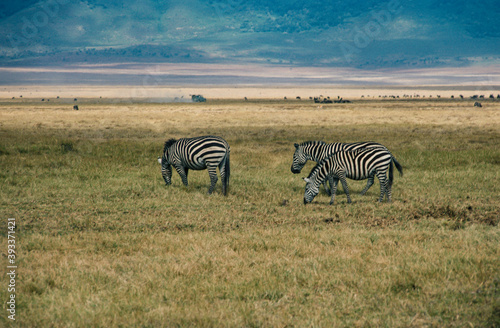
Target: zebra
{"points": [[357, 164], [320, 150], [199, 153]]}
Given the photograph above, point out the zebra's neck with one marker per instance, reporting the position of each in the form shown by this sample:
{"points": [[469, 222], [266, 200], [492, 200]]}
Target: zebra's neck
{"points": [[322, 151], [332, 148], [320, 173], [316, 152]]}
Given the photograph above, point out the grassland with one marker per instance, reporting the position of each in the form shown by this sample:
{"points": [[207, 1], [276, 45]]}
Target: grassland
{"points": [[103, 242]]}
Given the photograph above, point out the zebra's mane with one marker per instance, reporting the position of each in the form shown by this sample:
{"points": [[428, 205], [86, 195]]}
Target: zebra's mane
{"points": [[315, 169], [168, 143], [307, 143]]}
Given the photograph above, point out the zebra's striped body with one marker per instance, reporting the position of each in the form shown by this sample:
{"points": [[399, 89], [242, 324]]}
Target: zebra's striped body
{"points": [[318, 151], [199, 153], [358, 164]]}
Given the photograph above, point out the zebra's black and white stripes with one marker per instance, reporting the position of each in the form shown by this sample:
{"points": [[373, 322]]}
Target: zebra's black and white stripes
{"points": [[319, 150], [365, 160], [199, 153], [358, 164]]}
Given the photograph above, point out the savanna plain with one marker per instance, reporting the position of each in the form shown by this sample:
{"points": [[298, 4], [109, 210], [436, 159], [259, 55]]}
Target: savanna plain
{"points": [[103, 242]]}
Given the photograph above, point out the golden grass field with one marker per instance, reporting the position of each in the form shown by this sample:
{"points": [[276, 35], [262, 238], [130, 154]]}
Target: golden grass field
{"points": [[102, 242]]}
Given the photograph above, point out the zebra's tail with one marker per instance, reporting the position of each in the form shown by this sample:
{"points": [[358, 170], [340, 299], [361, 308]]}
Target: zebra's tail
{"points": [[398, 166], [391, 169], [227, 170], [391, 173]]}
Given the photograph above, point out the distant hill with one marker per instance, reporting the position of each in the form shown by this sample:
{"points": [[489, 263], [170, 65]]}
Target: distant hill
{"points": [[364, 34]]}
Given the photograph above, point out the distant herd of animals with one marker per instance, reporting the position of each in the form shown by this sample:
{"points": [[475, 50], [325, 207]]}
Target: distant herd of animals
{"points": [[326, 100], [335, 162]]}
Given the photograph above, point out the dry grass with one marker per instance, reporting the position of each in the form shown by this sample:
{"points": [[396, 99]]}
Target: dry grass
{"points": [[102, 241], [229, 114]]}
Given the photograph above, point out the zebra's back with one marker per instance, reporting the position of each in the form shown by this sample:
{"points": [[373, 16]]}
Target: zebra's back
{"points": [[359, 164], [332, 148], [319, 150], [199, 152]]}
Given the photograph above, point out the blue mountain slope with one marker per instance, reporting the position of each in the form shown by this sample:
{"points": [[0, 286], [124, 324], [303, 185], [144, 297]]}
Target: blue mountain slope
{"points": [[333, 33]]}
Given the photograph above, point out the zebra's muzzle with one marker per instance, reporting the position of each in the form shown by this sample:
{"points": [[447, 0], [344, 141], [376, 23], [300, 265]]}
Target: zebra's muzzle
{"points": [[295, 171]]}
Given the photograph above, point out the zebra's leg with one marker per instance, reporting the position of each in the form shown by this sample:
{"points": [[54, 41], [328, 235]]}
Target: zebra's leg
{"points": [[183, 172], [166, 173], [223, 180], [371, 179], [327, 189], [212, 173], [333, 184], [388, 187], [346, 188], [382, 178], [328, 183]]}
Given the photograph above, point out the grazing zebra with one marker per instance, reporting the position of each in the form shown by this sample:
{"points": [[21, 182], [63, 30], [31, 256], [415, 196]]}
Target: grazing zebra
{"points": [[358, 164], [319, 150], [199, 153]]}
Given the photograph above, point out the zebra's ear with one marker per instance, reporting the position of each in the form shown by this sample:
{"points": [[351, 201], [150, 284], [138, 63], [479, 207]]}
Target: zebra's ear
{"points": [[159, 160], [296, 145], [307, 180]]}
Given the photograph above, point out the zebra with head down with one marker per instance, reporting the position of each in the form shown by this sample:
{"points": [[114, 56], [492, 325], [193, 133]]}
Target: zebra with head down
{"points": [[320, 150], [357, 164], [199, 153]]}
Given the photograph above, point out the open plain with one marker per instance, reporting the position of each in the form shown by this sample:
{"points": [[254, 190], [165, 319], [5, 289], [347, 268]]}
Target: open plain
{"points": [[102, 242]]}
